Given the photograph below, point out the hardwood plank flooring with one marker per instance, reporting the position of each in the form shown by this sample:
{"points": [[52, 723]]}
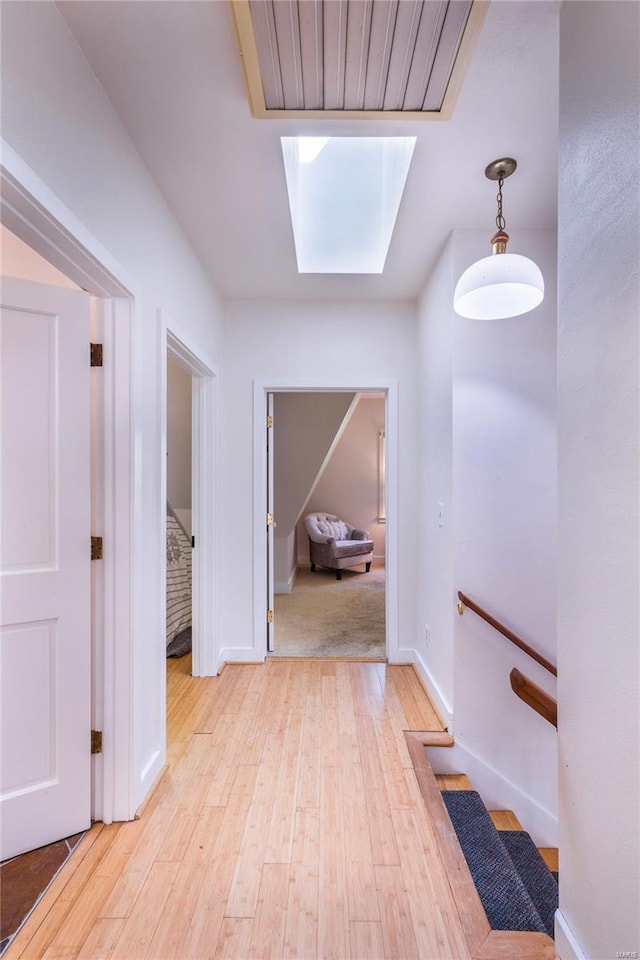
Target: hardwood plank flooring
{"points": [[289, 823]]}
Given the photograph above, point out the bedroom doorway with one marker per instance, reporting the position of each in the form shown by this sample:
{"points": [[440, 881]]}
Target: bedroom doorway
{"points": [[189, 385], [179, 538], [389, 389], [328, 453]]}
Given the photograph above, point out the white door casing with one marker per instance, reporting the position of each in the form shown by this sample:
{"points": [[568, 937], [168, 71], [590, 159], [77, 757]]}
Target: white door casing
{"points": [[261, 390], [175, 343], [271, 633], [45, 615], [37, 216]]}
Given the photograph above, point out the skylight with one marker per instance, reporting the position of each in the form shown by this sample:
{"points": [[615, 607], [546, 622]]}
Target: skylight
{"points": [[344, 195]]}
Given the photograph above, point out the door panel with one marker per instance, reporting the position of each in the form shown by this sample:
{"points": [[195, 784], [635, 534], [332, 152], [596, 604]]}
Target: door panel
{"points": [[44, 565]]}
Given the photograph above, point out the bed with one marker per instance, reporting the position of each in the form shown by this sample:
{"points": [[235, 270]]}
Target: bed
{"points": [[178, 587]]}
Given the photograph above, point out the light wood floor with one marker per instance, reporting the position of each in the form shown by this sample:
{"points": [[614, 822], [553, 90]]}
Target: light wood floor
{"points": [[289, 823]]}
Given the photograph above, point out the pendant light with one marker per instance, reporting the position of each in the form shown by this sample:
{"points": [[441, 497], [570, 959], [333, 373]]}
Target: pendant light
{"points": [[502, 285]]}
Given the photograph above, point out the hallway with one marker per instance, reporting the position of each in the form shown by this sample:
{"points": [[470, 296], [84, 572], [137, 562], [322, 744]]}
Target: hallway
{"points": [[289, 823]]}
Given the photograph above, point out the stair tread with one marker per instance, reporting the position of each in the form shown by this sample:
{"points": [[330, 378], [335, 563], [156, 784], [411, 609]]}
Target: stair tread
{"points": [[502, 819], [505, 820], [453, 781], [536, 876], [550, 857], [505, 898]]}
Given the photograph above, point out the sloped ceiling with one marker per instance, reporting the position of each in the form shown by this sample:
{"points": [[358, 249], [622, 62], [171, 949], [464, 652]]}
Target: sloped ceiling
{"points": [[173, 72]]}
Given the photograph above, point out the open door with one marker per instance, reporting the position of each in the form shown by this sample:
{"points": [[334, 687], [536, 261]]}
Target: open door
{"points": [[45, 554], [270, 530]]}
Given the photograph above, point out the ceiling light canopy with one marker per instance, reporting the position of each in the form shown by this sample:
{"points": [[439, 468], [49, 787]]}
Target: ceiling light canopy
{"points": [[344, 196], [502, 285]]}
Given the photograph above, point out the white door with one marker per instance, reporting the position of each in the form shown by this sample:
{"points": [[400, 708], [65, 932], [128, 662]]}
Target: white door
{"points": [[271, 639], [45, 602]]}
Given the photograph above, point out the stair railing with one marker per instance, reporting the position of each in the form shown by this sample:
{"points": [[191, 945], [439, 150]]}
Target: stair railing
{"points": [[534, 696], [528, 691], [464, 602]]}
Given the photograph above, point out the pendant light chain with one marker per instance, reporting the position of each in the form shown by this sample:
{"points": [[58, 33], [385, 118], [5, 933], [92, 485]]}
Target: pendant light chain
{"points": [[500, 221], [503, 284]]}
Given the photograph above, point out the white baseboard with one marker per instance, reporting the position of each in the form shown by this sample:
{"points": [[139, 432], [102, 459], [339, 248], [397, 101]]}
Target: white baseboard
{"points": [[567, 947], [238, 655], [150, 773], [497, 792], [433, 690]]}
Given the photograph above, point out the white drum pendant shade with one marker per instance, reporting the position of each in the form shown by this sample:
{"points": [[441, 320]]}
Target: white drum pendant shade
{"points": [[504, 284], [498, 286]]}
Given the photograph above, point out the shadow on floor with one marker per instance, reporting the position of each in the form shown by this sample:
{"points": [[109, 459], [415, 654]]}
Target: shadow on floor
{"points": [[24, 879]]}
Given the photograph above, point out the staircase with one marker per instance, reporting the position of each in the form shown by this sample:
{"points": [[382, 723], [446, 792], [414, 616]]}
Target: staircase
{"points": [[504, 888], [513, 878]]}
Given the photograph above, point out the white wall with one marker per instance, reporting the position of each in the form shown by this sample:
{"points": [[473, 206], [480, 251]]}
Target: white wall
{"points": [[311, 343], [179, 441], [436, 321], [504, 530], [348, 486], [59, 121], [285, 563], [599, 491], [19, 260], [488, 454]]}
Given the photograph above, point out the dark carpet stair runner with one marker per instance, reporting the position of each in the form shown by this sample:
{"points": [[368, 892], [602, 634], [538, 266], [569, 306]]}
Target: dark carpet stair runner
{"points": [[517, 889]]}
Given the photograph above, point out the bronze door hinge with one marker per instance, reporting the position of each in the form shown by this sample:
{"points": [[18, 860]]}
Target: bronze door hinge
{"points": [[95, 354], [96, 548], [96, 741]]}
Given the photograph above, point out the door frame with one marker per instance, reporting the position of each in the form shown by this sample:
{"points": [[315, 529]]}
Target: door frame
{"points": [[174, 343], [262, 387], [38, 217]]}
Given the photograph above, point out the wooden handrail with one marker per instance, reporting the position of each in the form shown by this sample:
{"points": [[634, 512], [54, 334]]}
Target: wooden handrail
{"points": [[534, 696], [466, 602]]}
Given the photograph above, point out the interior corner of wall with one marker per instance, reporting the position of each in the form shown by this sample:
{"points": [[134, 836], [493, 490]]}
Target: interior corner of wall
{"points": [[435, 694]]}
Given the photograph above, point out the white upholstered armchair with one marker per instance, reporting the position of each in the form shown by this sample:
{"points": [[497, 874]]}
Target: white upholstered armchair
{"points": [[336, 544]]}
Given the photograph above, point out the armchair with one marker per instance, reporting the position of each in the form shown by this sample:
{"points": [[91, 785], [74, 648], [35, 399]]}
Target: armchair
{"points": [[336, 544]]}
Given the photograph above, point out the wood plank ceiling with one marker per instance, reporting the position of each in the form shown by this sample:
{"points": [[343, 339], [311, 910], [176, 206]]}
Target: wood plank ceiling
{"points": [[380, 58]]}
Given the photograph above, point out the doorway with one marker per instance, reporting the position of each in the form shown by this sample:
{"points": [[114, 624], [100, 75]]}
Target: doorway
{"points": [[328, 459], [180, 538], [263, 583], [48, 589], [189, 410]]}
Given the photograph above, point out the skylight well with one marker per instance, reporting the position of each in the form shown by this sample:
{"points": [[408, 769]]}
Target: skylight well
{"points": [[344, 196]]}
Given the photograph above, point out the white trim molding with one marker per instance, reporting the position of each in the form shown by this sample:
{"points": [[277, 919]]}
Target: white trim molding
{"points": [[567, 947], [239, 655], [261, 387], [38, 217], [116, 526], [432, 689], [204, 374], [496, 790]]}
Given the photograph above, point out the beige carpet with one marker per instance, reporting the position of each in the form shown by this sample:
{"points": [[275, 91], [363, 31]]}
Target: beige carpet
{"points": [[325, 617]]}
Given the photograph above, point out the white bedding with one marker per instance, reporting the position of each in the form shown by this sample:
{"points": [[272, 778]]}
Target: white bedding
{"points": [[178, 577]]}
